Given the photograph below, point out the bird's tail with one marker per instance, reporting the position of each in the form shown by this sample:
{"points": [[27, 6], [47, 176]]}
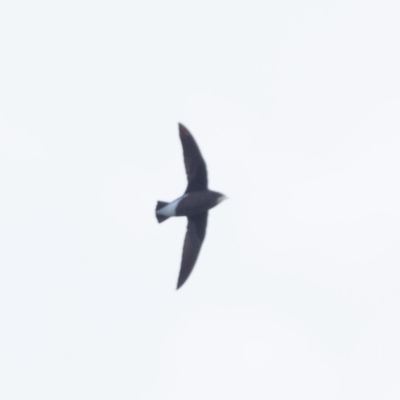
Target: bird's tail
{"points": [[160, 218]]}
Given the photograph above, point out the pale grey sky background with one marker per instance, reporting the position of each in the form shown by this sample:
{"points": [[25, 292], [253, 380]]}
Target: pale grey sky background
{"points": [[296, 108]]}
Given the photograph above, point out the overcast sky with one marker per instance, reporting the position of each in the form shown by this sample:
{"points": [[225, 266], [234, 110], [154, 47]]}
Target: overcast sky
{"points": [[296, 109]]}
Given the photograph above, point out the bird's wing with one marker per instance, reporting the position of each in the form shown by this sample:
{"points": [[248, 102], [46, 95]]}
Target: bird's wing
{"points": [[196, 169], [195, 233]]}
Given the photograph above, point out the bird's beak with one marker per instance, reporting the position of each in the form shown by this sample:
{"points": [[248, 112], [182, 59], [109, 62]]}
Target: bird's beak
{"points": [[222, 198]]}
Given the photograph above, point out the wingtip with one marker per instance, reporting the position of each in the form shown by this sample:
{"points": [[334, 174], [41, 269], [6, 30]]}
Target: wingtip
{"points": [[180, 283], [182, 129]]}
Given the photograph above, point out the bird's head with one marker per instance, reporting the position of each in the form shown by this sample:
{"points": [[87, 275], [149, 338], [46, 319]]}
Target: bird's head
{"points": [[221, 197]]}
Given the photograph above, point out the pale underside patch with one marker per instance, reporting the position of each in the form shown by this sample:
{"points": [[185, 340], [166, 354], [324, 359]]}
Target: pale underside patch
{"points": [[170, 209]]}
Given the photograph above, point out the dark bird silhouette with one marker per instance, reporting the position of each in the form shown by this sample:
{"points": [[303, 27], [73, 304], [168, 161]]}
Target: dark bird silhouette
{"points": [[194, 204]]}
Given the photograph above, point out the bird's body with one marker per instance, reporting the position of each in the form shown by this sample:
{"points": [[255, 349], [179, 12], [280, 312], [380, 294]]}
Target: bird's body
{"points": [[194, 204], [190, 204]]}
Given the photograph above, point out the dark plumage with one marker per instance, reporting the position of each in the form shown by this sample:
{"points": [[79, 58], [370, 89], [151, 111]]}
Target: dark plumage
{"points": [[194, 204]]}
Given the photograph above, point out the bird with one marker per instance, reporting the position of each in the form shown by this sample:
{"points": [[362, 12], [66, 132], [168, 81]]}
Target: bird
{"points": [[193, 204]]}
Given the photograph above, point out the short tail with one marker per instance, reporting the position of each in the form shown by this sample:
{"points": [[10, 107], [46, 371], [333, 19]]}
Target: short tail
{"points": [[161, 218]]}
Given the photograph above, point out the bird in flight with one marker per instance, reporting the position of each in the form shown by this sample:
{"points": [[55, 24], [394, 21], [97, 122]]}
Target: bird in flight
{"points": [[194, 204]]}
